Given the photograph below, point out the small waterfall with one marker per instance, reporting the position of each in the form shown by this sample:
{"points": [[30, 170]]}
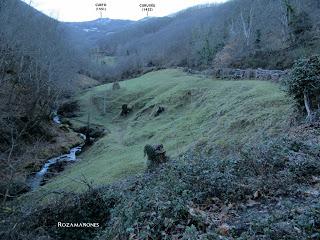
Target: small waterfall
{"points": [[56, 118], [37, 179]]}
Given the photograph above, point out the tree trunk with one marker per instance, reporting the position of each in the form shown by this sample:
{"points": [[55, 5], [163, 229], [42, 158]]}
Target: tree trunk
{"points": [[247, 26]]}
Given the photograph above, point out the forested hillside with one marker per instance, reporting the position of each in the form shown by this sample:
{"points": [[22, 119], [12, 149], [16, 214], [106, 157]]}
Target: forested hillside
{"points": [[38, 67], [269, 34]]}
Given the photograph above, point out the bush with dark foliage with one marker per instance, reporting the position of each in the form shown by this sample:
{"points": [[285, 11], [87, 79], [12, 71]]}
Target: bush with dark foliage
{"points": [[304, 84]]}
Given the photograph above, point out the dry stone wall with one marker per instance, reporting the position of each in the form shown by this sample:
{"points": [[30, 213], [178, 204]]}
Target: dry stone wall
{"points": [[243, 74]]}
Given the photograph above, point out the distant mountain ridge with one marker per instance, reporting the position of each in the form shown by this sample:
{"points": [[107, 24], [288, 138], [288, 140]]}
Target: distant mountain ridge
{"points": [[97, 29], [103, 24]]}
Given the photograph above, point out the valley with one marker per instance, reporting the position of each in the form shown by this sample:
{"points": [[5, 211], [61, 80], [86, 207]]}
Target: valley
{"points": [[201, 124]]}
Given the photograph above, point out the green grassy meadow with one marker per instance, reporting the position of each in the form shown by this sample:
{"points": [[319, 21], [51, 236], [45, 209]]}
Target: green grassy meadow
{"points": [[222, 114]]}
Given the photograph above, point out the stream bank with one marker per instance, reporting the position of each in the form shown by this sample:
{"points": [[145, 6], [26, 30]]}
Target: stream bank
{"points": [[53, 140], [53, 166], [56, 164]]}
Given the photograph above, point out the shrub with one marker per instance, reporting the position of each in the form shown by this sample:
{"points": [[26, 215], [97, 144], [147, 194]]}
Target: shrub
{"points": [[304, 83], [68, 109], [89, 207]]}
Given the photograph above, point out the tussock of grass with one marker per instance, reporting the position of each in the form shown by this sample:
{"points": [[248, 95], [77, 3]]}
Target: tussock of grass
{"points": [[226, 114]]}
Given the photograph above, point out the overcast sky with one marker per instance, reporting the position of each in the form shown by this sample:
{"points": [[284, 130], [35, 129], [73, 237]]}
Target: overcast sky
{"points": [[84, 10]]}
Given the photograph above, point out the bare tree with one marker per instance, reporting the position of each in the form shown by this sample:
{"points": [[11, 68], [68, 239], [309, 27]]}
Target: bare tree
{"points": [[247, 25]]}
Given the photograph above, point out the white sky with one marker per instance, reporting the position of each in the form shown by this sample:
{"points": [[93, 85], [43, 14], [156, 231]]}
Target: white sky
{"points": [[85, 10]]}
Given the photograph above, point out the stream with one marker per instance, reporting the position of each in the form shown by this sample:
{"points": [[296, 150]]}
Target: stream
{"points": [[36, 180]]}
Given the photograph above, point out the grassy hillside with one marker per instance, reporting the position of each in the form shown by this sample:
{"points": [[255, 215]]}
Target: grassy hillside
{"points": [[221, 114]]}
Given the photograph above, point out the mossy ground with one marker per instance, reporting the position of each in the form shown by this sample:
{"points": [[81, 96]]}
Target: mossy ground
{"points": [[223, 114]]}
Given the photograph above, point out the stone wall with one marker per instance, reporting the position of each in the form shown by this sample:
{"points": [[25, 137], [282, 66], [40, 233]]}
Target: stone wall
{"points": [[242, 74]]}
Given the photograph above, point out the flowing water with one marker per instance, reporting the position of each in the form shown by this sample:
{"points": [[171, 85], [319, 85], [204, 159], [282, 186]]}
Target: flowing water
{"points": [[56, 120], [36, 180]]}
